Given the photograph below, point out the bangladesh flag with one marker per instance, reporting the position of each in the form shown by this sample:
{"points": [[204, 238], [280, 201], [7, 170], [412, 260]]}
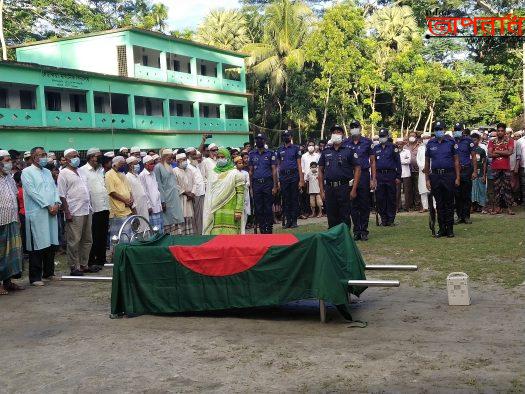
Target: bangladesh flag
{"points": [[201, 273]]}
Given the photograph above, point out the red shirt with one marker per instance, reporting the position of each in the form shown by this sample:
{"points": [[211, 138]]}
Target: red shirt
{"points": [[502, 162], [20, 196]]}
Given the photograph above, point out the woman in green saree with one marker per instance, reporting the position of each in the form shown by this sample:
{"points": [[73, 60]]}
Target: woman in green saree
{"points": [[224, 201]]}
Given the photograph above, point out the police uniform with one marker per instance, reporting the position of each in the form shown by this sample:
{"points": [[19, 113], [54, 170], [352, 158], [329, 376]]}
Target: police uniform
{"points": [[463, 192], [261, 162], [287, 157], [360, 206], [388, 169], [338, 170], [442, 176]]}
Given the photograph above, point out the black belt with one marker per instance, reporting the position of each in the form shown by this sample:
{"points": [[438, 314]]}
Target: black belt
{"points": [[441, 170], [337, 183], [263, 180], [386, 171], [288, 172]]}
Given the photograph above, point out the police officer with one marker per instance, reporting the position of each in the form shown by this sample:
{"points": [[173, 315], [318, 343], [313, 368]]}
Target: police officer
{"points": [[442, 172], [388, 169], [337, 167], [291, 178], [362, 147], [263, 174], [468, 171]]}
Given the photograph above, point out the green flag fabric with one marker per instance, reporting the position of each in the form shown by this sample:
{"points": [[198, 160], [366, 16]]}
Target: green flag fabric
{"points": [[173, 274]]}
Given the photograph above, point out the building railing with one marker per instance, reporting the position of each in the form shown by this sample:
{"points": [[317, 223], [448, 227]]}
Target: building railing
{"points": [[20, 117], [68, 119], [183, 123], [149, 122], [115, 121], [181, 78], [146, 72]]}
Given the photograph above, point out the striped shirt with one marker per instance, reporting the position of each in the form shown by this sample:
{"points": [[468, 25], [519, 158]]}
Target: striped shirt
{"points": [[8, 204]]}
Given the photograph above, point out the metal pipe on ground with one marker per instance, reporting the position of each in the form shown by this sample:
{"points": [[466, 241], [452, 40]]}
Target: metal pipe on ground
{"points": [[374, 283], [87, 278], [391, 267]]}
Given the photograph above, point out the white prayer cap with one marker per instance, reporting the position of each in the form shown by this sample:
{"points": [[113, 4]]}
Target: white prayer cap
{"points": [[92, 151], [117, 159], [147, 159], [212, 146], [27, 154], [167, 152], [155, 157], [199, 153], [131, 159], [449, 133], [68, 151], [123, 149], [508, 129], [4, 153], [190, 149], [174, 152], [400, 139], [426, 135], [51, 154], [180, 156], [109, 154], [134, 149], [142, 154]]}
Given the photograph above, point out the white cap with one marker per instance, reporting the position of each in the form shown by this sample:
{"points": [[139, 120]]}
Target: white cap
{"points": [[68, 151], [123, 149], [155, 157], [109, 154], [4, 153], [134, 149], [51, 154], [426, 135], [167, 152], [27, 154], [190, 149], [147, 159], [180, 156], [508, 129], [212, 145], [174, 152], [131, 159], [400, 139], [92, 151], [117, 159], [142, 154]]}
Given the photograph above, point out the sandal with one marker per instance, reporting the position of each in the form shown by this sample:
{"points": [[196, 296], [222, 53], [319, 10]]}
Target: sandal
{"points": [[3, 291], [509, 212], [13, 287]]}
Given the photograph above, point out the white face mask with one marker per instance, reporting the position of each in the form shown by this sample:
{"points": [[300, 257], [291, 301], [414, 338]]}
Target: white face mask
{"points": [[412, 139], [337, 138], [383, 140], [310, 149], [355, 132]]}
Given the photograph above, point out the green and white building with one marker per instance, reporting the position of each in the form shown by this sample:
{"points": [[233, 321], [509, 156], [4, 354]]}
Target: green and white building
{"points": [[122, 87]]}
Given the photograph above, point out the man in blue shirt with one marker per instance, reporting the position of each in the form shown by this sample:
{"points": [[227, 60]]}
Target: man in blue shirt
{"points": [[442, 172], [338, 166], [468, 164], [362, 147], [291, 178], [263, 178], [388, 169]]}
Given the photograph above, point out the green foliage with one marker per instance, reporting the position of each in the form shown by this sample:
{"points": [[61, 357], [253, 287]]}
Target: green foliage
{"points": [[225, 29]]}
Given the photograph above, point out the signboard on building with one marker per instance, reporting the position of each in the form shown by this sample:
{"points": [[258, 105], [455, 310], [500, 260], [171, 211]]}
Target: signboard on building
{"points": [[63, 80]]}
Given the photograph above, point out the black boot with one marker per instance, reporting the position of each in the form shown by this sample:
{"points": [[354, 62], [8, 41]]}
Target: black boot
{"points": [[293, 224], [450, 231]]}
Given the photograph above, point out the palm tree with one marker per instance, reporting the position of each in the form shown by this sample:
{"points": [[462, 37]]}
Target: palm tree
{"points": [[225, 29], [281, 52], [395, 26]]}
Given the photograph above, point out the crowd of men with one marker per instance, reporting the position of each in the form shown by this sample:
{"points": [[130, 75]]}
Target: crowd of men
{"points": [[78, 204]]}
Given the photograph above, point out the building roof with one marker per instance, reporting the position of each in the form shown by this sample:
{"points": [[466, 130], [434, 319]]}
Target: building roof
{"points": [[41, 67], [136, 30]]}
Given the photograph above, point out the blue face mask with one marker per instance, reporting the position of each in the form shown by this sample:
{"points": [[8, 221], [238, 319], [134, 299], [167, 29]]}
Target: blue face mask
{"points": [[439, 133], [122, 169], [42, 161], [136, 168], [457, 134], [222, 162], [75, 162]]}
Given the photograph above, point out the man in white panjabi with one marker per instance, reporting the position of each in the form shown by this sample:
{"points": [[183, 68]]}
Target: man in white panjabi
{"points": [[198, 189], [140, 199], [421, 182], [185, 184]]}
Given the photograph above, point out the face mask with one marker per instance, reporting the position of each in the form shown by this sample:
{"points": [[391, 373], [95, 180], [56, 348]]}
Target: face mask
{"points": [[457, 134], [355, 132], [310, 149], [222, 162], [425, 141], [337, 138], [42, 161], [136, 168], [259, 144], [183, 165], [75, 162], [7, 167], [411, 139], [122, 169], [383, 140], [439, 134]]}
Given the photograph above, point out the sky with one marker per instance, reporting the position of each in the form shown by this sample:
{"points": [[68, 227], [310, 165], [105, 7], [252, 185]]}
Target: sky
{"points": [[189, 13]]}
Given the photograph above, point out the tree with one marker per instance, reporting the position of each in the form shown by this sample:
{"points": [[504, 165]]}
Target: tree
{"points": [[225, 29]]}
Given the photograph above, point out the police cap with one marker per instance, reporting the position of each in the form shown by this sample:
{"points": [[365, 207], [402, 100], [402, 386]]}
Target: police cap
{"points": [[337, 127], [260, 136], [439, 125], [286, 133], [458, 127], [354, 124], [383, 132]]}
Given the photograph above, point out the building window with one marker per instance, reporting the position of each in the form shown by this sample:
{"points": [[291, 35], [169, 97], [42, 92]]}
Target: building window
{"points": [[99, 104], [144, 60], [203, 69], [4, 103], [148, 106], [53, 101], [206, 111], [77, 102], [27, 99], [176, 65], [234, 112]]}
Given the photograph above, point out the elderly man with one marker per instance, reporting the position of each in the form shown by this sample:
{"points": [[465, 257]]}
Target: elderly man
{"points": [[10, 239], [169, 193], [76, 204], [135, 151], [185, 184], [198, 189], [141, 202], [124, 152], [93, 172], [120, 199], [41, 202], [151, 188]]}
